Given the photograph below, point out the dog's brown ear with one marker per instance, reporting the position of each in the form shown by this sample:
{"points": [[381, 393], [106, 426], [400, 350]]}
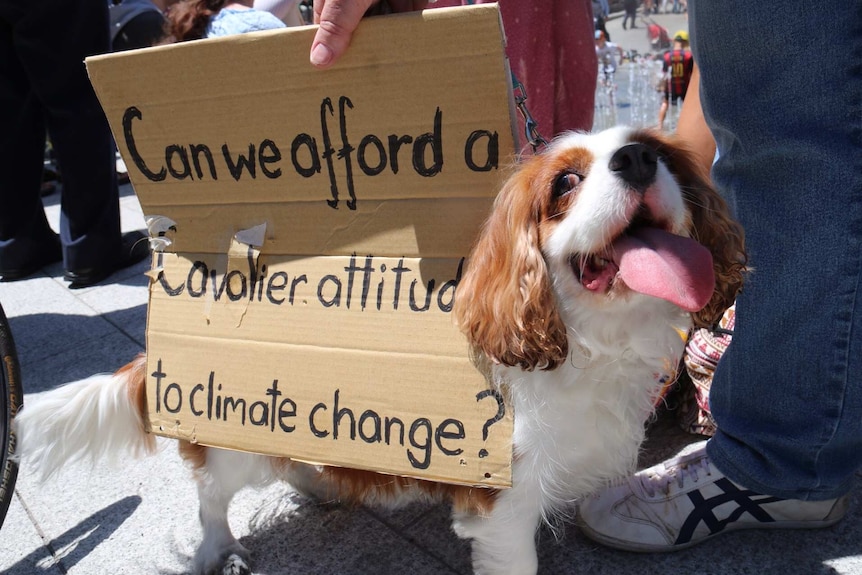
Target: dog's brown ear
{"points": [[712, 226], [504, 303]]}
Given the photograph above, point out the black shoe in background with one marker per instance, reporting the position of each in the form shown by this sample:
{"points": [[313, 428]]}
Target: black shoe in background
{"points": [[51, 253], [136, 247]]}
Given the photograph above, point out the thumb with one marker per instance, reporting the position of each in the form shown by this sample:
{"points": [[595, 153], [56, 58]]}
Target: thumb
{"points": [[337, 19]]}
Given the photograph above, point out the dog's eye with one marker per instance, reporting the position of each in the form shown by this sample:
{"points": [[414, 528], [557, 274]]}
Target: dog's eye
{"points": [[565, 183]]}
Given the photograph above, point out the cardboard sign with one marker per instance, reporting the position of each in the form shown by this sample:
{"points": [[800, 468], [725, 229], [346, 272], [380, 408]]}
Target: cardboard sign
{"points": [[314, 227]]}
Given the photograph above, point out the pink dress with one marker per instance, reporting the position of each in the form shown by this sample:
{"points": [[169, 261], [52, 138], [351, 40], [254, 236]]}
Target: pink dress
{"points": [[551, 49]]}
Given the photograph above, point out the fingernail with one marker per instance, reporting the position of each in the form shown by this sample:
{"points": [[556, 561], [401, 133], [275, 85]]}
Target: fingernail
{"points": [[321, 55]]}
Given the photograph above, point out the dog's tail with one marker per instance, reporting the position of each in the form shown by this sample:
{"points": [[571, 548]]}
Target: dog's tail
{"points": [[101, 416]]}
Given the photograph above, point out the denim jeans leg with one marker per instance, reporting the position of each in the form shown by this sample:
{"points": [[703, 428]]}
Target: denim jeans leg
{"points": [[783, 96]]}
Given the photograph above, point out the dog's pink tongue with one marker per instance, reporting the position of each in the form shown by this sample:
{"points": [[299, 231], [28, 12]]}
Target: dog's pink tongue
{"points": [[667, 266]]}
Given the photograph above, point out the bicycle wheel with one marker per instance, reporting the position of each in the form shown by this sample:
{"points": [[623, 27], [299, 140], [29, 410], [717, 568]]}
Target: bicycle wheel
{"points": [[11, 395]]}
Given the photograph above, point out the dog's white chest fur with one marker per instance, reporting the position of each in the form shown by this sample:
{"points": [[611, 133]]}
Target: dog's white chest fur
{"points": [[582, 423]]}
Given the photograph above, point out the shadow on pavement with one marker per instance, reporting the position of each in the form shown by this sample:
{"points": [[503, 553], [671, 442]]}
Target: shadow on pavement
{"points": [[68, 549], [59, 348]]}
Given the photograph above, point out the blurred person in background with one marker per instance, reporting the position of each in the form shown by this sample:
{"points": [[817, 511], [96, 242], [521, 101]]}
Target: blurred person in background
{"points": [[677, 67], [44, 87], [631, 12], [197, 19]]}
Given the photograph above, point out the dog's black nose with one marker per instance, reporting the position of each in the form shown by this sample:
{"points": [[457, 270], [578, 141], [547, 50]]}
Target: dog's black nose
{"points": [[635, 163]]}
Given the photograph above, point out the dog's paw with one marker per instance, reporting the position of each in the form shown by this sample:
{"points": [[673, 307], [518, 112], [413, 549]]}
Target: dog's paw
{"points": [[235, 565], [231, 560]]}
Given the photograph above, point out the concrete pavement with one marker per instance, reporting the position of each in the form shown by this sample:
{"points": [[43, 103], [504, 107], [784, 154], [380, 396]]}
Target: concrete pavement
{"points": [[140, 516]]}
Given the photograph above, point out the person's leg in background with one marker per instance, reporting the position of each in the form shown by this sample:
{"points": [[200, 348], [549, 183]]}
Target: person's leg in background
{"points": [[662, 111], [50, 40], [65, 32], [27, 242]]}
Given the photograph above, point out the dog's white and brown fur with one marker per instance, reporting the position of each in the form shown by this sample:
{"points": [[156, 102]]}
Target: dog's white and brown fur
{"points": [[582, 367]]}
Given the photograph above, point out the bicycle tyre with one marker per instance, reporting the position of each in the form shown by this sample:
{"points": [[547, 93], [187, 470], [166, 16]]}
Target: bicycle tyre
{"points": [[11, 396]]}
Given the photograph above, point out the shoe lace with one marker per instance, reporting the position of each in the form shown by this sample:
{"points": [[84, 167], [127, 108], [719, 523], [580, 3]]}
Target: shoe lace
{"points": [[658, 479]]}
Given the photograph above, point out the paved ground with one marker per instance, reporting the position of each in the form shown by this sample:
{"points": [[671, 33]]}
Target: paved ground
{"points": [[140, 516]]}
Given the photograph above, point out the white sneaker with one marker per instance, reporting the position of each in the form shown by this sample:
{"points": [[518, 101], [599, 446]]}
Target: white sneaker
{"points": [[686, 500]]}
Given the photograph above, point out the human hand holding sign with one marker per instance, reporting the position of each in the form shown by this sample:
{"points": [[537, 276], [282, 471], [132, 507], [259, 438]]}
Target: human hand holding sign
{"points": [[339, 18]]}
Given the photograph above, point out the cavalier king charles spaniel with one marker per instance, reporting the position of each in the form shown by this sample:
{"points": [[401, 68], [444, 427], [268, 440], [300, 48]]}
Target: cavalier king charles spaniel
{"points": [[600, 254]]}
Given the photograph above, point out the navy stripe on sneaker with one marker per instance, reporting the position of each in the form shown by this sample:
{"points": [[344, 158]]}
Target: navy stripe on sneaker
{"points": [[703, 509]]}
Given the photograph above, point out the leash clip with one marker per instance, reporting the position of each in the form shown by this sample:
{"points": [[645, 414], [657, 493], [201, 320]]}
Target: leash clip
{"points": [[531, 127]]}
